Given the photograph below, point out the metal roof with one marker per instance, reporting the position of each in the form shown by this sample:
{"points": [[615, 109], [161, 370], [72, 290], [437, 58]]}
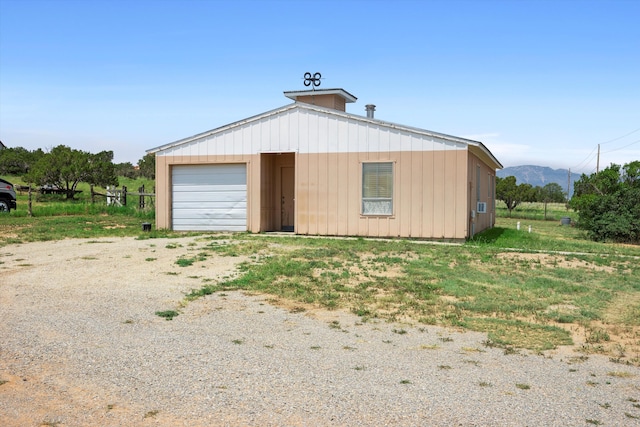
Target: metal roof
{"points": [[477, 147]]}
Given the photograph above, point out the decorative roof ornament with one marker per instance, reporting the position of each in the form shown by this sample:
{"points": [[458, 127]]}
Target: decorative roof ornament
{"points": [[312, 80]]}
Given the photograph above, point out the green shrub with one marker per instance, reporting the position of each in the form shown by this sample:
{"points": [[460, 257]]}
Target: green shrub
{"points": [[607, 203]]}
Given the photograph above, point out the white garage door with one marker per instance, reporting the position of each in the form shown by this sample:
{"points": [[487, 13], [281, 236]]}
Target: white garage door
{"points": [[209, 197]]}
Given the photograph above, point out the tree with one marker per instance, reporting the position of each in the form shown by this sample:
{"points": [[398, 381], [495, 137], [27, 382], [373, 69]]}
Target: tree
{"points": [[65, 168], [553, 193], [550, 193], [127, 170], [18, 160], [512, 194], [147, 166], [608, 203]]}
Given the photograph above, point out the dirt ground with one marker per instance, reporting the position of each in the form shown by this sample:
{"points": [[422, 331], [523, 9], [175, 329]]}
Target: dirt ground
{"points": [[53, 294], [140, 273]]}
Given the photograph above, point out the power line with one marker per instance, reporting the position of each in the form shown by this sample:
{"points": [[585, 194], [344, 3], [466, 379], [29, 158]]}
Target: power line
{"points": [[620, 148], [586, 160], [620, 137], [589, 157]]}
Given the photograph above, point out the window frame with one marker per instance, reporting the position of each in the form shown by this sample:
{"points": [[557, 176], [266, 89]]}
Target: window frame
{"points": [[364, 198]]}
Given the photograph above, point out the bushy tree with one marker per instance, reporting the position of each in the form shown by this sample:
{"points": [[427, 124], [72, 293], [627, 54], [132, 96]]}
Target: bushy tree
{"points": [[127, 170], [552, 193], [608, 203], [18, 160], [513, 194], [65, 168], [147, 166]]}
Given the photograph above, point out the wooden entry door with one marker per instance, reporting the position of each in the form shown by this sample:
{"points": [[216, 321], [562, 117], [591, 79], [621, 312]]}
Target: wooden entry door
{"points": [[287, 181]]}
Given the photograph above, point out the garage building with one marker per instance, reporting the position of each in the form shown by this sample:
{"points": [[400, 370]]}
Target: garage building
{"points": [[310, 167]]}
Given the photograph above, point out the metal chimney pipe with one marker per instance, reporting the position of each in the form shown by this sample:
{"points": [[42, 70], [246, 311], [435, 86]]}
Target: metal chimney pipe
{"points": [[370, 109]]}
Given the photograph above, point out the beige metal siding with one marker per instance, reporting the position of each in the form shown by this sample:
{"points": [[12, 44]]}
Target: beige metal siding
{"points": [[434, 177], [270, 191], [267, 196], [429, 195], [482, 221]]}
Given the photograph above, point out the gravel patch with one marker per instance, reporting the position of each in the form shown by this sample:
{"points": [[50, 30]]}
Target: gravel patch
{"points": [[81, 345]]}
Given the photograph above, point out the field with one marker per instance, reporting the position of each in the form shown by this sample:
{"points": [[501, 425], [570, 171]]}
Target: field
{"points": [[536, 290], [56, 218], [536, 210]]}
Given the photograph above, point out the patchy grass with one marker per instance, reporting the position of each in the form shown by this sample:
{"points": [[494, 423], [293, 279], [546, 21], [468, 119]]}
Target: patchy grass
{"points": [[532, 300], [151, 414], [167, 314], [621, 374], [505, 332], [525, 290]]}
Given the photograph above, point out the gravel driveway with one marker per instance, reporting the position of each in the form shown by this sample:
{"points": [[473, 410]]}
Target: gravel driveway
{"points": [[80, 345]]}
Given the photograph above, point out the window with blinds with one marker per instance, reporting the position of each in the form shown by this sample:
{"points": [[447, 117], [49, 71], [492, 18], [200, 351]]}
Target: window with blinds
{"points": [[377, 188]]}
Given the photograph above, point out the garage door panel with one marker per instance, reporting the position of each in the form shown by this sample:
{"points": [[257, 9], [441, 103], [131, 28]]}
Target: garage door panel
{"points": [[212, 206], [237, 214], [202, 174], [212, 222], [193, 188], [209, 197], [236, 222], [210, 227]]}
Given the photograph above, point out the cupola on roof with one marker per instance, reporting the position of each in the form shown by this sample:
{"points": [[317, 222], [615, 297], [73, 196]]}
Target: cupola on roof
{"points": [[329, 98]]}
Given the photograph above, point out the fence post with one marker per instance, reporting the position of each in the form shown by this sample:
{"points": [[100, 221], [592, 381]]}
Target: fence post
{"points": [[124, 195], [93, 200], [29, 211], [141, 199]]}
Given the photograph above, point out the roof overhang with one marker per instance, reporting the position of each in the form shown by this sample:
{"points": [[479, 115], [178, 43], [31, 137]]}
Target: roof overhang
{"points": [[294, 94], [475, 147], [483, 153]]}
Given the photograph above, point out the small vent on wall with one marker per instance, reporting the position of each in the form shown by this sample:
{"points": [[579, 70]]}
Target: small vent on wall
{"points": [[482, 207]]}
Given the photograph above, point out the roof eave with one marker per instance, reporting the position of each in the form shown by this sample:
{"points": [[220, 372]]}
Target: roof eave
{"points": [[293, 94], [477, 147], [222, 128], [469, 142]]}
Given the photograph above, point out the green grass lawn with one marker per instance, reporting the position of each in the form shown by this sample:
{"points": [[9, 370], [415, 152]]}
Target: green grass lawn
{"points": [[55, 217]]}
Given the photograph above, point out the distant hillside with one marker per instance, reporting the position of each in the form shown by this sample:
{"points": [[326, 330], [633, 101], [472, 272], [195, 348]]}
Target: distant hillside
{"points": [[539, 175]]}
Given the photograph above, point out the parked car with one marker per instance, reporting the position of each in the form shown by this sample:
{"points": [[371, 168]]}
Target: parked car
{"points": [[7, 196]]}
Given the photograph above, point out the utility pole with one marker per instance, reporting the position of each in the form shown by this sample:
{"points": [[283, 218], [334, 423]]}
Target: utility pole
{"points": [[598, 162], [568, 184]]}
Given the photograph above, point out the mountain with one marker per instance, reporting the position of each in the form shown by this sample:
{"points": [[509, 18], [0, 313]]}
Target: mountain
{"points": [[539, 175]]}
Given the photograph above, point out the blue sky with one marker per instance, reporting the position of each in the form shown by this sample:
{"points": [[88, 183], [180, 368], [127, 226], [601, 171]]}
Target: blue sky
{"points": [[538, 82]]}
